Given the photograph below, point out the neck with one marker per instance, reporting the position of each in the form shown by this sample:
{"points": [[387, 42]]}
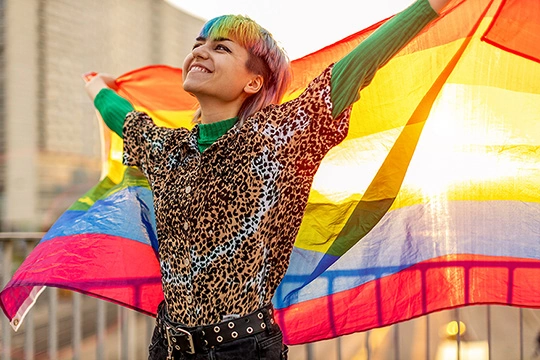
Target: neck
{"points": [[213, 110]]}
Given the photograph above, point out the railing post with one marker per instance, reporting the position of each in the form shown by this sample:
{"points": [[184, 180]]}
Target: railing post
{"points": [[124, 333], [77, 325], [338, 348], [29, 336], [489, 331], [309, 351], [53, 323], [7, 255], [396, 341], [150, 323], [101, 320], [458, 335], [521, 351], [428, 337], [368, 348]]}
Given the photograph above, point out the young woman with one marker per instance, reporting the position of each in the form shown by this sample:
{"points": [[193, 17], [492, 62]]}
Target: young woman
{"points": [[229, 195]]}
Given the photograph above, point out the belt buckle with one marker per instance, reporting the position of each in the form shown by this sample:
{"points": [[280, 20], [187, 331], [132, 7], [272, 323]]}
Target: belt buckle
{"points": [[178, 331]]}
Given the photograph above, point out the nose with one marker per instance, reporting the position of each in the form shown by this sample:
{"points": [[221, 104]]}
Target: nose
{"points": [[200, 51]]}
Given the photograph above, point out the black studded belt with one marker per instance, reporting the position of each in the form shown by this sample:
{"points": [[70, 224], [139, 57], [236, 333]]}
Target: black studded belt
{"points": [[191, 340]]}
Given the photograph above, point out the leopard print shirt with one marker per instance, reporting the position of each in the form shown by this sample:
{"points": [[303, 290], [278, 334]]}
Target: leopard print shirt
{"points": [[227, 218]]}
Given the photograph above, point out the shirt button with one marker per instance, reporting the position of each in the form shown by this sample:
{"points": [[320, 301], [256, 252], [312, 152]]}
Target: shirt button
{"points": [[189, 299], [186, 225], [186, 261], [188, 189]]}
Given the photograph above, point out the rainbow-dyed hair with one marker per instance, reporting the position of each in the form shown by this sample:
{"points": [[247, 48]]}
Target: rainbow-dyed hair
{"points": [[267, 58]]}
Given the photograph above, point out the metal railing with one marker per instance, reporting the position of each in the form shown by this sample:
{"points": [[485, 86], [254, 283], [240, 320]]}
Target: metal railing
{"points": [[68, 325], [67, 321]]}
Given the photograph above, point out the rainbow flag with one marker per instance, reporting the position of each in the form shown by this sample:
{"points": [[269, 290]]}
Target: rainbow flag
{"points": [[432, 201]]}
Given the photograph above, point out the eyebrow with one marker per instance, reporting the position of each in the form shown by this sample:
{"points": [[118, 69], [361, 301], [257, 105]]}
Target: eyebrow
{"points": [[202, 38], [222, 39]]}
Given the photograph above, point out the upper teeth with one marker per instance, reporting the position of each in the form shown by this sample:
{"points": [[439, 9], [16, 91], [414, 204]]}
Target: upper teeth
{"points": [[198, 68]]}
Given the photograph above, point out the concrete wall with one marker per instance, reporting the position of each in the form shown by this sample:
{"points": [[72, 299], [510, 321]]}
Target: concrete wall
{"points": [[21, 59], [51, 136]]}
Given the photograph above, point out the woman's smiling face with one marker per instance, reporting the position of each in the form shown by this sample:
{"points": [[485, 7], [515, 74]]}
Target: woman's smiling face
{"points": [[217, 68]]}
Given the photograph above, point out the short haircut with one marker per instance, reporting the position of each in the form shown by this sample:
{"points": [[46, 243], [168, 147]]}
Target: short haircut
{"points": [[266, 58]]}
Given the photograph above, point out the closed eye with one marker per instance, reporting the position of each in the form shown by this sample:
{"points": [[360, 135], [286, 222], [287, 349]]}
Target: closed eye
{"points": [[223, 48]]}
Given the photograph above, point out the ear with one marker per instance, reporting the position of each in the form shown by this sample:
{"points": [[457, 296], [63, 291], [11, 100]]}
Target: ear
{"points": [[254, 85]]}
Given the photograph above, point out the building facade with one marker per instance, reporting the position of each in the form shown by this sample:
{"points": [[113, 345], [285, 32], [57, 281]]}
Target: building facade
{"points": [[49, 137]]}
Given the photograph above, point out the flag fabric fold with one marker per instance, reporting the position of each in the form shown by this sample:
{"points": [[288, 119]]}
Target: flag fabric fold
{"points": [[431, 202]]}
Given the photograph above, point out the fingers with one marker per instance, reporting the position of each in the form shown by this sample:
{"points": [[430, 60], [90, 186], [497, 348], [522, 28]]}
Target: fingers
{"points": [[88, 76], [95, 82]]}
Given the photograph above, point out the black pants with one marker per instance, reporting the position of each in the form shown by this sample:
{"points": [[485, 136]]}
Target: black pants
{"points": [[267, 345]]}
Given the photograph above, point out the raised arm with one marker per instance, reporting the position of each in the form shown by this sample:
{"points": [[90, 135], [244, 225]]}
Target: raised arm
{"points": [[356, 70], [112, 107]]}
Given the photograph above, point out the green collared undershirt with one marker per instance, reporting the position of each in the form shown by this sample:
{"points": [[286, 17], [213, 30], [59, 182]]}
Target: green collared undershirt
{"points": [[114, 108], [209, 133]]}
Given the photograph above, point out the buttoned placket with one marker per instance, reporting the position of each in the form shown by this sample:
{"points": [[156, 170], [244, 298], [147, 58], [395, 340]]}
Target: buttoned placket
{"points": [[187, 192], [192, 165]]}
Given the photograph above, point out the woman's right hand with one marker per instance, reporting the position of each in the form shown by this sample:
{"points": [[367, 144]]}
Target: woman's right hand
{"points": [[98, 82]]}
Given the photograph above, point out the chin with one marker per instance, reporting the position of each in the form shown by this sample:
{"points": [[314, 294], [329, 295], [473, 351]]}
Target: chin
{"points": [[190, 88]]}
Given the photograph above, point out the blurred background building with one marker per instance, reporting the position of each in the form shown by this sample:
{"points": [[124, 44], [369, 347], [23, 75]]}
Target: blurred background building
{"points": [[49, 137]]}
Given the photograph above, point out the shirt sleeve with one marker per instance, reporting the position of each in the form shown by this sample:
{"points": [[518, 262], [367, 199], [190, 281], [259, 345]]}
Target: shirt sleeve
{"points": [[303, 130], [113, 109], [356, 70], [148, 146]]}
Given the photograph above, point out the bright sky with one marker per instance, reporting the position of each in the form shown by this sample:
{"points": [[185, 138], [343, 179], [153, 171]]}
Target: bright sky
{"points": [[301, 26]]}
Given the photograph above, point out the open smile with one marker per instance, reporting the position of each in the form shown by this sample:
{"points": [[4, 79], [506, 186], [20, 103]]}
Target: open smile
{"points": [[198, 68]]}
